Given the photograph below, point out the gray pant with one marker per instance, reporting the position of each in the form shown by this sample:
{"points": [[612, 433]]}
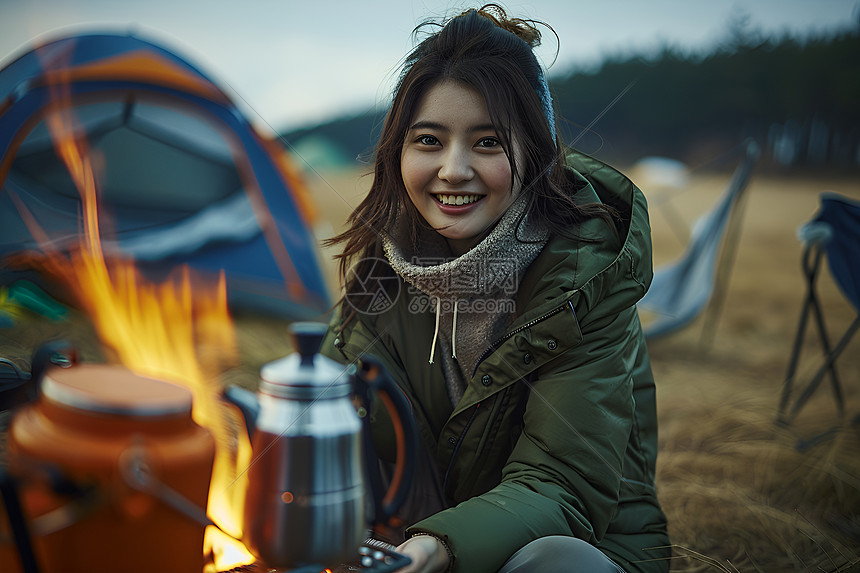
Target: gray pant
{"points": [[560, 554]]}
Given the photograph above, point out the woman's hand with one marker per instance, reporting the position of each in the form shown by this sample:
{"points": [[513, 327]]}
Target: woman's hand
{"points": [[428, 555]]}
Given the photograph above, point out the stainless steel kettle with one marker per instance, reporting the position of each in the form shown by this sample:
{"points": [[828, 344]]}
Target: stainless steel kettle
{"points": [[307, 500]]}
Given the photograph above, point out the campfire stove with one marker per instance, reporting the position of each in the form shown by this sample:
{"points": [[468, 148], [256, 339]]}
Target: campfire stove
{"points": [[371, 557], [103, 464]]}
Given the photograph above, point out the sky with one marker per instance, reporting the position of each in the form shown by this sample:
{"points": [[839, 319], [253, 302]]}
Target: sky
{"points": [[295, 63]]}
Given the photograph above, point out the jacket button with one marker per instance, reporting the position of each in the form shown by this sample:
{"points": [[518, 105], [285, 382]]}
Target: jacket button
{"points": [[552, 344], [452, 440], [486, 380], [527, 358]]}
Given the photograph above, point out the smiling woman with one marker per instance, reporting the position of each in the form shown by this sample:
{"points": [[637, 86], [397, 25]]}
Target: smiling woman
{"points": [[516, 265]]}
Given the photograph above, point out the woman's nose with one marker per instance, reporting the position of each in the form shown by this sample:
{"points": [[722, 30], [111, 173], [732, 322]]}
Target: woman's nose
{"points": [[456, 166]]}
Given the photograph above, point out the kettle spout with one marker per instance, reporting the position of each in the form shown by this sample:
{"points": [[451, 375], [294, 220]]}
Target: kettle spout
{"points": [[247, 403]]}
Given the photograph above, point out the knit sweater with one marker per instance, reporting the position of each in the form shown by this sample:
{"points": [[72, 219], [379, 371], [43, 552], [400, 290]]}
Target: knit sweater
{"points": [[472, 295]]}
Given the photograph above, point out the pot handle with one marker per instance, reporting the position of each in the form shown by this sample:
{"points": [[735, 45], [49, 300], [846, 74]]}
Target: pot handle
{"points": [[54, 353], [372, 375], [18, 387]]}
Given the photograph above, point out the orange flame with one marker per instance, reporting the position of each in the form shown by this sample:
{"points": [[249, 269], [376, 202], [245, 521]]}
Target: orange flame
{"points": [[179, 330]]}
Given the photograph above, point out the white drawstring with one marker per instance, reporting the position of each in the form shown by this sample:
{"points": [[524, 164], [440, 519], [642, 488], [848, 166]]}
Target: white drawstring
{"points": [[454, 333], [436, 332]]}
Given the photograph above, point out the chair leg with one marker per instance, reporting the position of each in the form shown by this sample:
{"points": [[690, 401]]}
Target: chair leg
{"points": [[829, 366], [828, 351], [724, 268], [795, 358], [810, 262], [822, 371]]}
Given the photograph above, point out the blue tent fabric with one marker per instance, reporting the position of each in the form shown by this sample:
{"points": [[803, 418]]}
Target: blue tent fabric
{"points": [[179, 159], [680, 290]]}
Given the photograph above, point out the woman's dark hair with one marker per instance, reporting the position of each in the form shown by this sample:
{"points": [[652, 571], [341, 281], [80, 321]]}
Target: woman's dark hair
{"points": [[492, 54]]}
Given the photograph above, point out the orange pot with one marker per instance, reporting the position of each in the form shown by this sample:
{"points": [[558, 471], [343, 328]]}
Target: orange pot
{"points": [[100, 458]]}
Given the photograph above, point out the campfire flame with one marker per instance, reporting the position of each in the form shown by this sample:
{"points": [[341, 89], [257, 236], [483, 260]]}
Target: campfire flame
{"points": [[179, 330]]}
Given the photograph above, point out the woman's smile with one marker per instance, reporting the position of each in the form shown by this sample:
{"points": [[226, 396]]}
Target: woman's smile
{"points": [[458, 200]]}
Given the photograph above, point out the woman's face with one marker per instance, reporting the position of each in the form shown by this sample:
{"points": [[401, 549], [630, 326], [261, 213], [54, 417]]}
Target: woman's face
{"points": [[454, 167]]}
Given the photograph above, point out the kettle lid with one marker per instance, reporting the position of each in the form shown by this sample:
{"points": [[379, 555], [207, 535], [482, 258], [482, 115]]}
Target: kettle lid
{"points": [[306, 374]]}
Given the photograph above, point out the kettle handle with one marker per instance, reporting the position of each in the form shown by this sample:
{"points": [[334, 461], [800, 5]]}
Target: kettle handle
{"points": [[53, 353], [372, 375]]}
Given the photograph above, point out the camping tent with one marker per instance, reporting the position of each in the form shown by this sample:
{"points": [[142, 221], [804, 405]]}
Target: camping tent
{"points": [[183, 176]]}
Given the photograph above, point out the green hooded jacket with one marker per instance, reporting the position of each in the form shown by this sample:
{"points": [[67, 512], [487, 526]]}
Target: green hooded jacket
{"points": [[556, 433]]}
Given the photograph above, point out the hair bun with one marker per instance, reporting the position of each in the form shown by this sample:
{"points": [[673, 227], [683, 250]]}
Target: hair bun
{"points": [[524, 29]]}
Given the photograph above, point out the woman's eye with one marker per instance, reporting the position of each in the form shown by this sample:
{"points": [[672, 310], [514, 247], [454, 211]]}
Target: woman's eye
{"points": [[427, 140], [488, 142]]}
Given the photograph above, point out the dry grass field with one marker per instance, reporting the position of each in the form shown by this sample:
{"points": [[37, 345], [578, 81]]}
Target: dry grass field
{"points": [[740, 497], [734, 485]]}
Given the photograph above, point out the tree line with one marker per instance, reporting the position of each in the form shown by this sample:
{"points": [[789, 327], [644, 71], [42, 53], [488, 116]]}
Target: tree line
{"points": [[799, 97]]}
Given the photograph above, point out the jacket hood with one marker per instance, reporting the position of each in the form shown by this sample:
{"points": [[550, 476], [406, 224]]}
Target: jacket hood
{"points": [[610, 266]]}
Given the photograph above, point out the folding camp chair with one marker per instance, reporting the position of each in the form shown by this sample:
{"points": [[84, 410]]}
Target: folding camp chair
{"points": [[681, 290], [834, 232]]}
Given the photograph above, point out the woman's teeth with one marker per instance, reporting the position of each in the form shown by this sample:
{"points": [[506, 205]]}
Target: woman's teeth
{"points": [[457, 199]]}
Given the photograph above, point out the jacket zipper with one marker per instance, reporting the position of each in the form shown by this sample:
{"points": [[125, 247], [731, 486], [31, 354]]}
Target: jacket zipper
{"points": [[457, 447], [494, 346], [486, 353]]}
